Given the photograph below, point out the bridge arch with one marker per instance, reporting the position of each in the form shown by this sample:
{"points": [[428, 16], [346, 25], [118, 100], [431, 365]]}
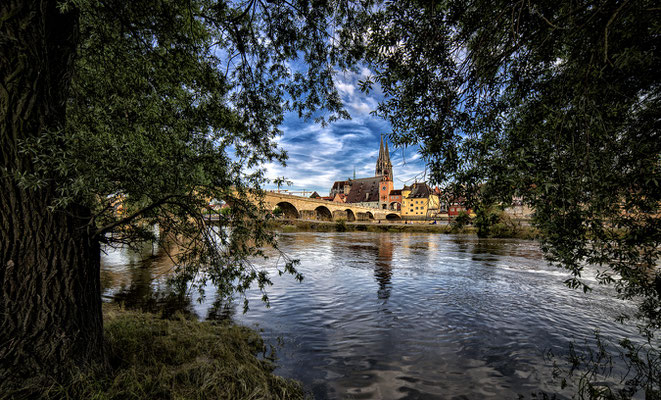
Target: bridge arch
{"points": [[323, 213], [288, 210], [393, 217], [369, 215], [350, 215]]}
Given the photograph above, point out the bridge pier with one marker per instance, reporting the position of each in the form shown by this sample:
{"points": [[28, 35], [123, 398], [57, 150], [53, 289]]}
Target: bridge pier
{"points": [[340, 214], [362, 216], [308, 214]]}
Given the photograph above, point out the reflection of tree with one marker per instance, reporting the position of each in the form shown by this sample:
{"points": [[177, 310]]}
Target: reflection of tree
{"points": [[461, 242], [474, 245], [221, 310], [494, 247], [482, 249], [146, 290], [383, 266]]}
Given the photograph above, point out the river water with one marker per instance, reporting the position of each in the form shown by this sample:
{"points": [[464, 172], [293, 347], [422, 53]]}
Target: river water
{"points": [[403, 315]]}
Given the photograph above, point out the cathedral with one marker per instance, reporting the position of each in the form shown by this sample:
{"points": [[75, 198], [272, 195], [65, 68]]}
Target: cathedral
{"points": [[418, 201], [369, 192]]}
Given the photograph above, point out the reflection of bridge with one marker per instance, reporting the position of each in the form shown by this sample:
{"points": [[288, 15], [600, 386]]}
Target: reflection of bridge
{"points": [[306, 208]]}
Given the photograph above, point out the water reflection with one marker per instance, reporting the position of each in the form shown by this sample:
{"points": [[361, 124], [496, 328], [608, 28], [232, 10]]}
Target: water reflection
{"points": [[137, 279], [221, 310], [393, 316], [383, 266]]}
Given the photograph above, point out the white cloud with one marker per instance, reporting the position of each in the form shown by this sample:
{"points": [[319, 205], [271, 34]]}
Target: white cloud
{"points": [[365, 72], [345, 88], [318, 155], [358, 107], [357, 102]]}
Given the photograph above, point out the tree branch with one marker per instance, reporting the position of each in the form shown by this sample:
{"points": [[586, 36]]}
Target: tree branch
{"points": [[610, 21], [109, 227]]}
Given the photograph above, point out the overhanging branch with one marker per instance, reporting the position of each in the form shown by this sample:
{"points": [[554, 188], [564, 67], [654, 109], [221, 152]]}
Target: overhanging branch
{"points": [[109, 227]]}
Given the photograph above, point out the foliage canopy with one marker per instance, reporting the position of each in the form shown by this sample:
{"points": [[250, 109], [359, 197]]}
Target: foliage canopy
{"points": [[118, 116], [175, 103], [554, 102], [557, 103]]}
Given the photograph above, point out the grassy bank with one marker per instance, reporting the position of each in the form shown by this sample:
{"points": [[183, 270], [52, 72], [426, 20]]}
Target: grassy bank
{"points": [[154, 358], [296, 225], [498, 231]]}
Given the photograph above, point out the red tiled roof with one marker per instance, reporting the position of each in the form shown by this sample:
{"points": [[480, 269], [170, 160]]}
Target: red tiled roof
{"points": [[364, 190]]}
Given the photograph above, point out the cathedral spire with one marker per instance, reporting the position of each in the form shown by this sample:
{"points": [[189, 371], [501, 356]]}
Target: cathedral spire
{"points": [[383, 164], [381, 149], [388, 154]]}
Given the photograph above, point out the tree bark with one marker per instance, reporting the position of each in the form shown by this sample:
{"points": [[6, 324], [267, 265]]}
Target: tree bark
{"points": [[50, 303]]}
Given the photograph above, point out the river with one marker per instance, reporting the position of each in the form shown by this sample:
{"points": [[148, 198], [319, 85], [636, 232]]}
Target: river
{"points": [[403, 315]]}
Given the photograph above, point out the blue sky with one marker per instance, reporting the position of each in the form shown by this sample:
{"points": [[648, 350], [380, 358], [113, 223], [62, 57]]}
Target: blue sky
{"points": [[318, 155]]}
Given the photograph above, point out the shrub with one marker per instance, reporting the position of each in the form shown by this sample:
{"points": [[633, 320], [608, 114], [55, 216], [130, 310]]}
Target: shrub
{"points": [[486, 216], [461, 221]]}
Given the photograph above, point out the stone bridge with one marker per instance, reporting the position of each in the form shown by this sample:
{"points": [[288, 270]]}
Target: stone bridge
{"points": [[307, 208]]}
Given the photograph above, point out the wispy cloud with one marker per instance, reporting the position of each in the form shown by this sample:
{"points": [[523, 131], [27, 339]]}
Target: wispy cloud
{"points": [[318, 155]]}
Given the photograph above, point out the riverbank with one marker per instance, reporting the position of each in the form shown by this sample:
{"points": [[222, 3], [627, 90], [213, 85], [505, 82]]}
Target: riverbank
{"points": [[181, 358], [500, 231]]}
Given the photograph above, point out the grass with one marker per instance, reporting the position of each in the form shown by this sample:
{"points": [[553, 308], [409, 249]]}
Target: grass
{"points": [[289, 226], [499, 230], [154, 358]]}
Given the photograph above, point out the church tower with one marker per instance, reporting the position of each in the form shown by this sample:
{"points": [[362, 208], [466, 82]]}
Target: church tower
{"points": [[383, 164]]}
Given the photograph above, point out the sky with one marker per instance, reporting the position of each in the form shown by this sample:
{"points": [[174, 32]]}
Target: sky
{"points": [[319, 156]]}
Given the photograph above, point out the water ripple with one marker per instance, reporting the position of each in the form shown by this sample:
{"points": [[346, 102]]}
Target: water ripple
{"points": [[404, 316]]}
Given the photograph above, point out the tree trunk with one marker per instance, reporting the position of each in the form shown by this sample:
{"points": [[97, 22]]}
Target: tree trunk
{"points": [[50, 304]]}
